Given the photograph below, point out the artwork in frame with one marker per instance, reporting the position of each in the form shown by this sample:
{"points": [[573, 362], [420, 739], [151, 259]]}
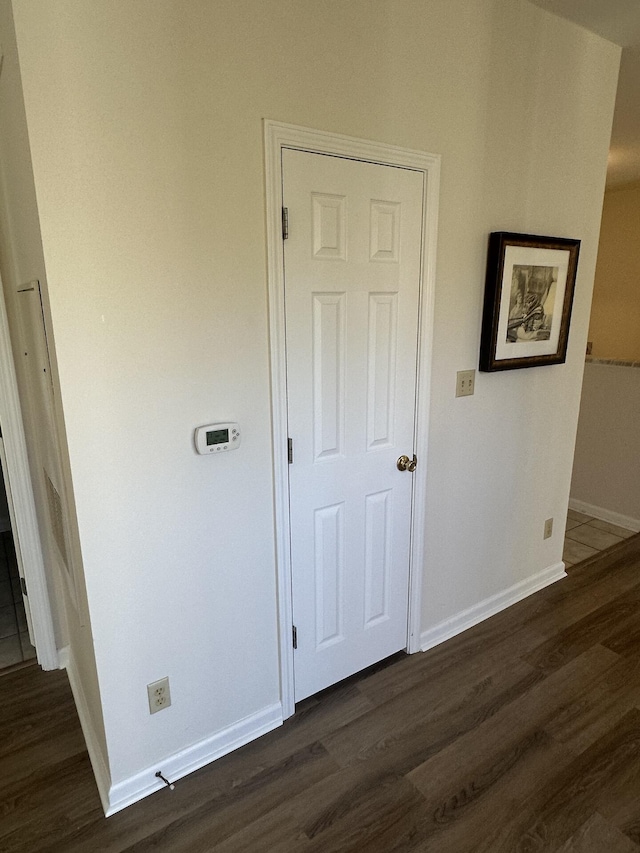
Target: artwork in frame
{"points": [[527, 300]]}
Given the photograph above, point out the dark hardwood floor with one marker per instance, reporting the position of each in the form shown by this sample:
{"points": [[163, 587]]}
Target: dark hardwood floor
{"points": [[522, 734]]}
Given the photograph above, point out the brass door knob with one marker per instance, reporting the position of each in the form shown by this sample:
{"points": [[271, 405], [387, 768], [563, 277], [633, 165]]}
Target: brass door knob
{"points": [[406, 464]]}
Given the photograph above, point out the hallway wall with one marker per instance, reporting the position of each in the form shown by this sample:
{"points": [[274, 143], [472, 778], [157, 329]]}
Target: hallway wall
{"points": [[605, 473]]}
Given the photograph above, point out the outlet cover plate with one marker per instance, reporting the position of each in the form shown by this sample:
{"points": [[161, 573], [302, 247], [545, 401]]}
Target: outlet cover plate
{"points": [[159, 695]]}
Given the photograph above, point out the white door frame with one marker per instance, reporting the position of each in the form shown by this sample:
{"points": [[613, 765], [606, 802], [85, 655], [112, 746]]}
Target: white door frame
{"points": [[278, 136], [24, 519]]}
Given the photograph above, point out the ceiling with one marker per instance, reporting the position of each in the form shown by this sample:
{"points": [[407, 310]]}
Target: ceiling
{"points": [[618, 21]]}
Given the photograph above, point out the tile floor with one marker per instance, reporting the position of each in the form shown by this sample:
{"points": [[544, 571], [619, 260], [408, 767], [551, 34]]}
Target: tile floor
{"points": [[14, 639], [585, 536]]}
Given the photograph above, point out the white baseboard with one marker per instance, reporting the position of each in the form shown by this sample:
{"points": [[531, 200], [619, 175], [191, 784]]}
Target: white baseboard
{"points": [[180, 764], [94, 748], [489, 607], [114, 798], [606, 515]]}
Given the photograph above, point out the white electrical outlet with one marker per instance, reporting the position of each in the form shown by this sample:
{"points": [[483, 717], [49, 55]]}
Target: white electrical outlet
{"points": [[159, 695], [548, 528], [465, 383]]}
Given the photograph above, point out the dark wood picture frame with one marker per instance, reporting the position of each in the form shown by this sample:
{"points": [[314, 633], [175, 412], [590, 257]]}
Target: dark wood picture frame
{"points": [[527, 300]]}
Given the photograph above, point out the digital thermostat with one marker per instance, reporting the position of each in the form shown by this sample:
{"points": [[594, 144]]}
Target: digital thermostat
{"points": [[216, 438]]}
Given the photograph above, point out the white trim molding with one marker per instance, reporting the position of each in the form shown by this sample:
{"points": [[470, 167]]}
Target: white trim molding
{"points": [[94, 747], [180, 764], [116, 797], [278, 136], [26, 531], [455, 625], [606, 515]]}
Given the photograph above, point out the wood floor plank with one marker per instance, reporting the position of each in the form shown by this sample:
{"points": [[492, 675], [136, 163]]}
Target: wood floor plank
{"points": [[337, 707], [625, 816], [421, 721], [594, 711], [369, 825], [609, 620], [30, 752], [455, 661], [335, 804], [593, 782], [58, 799], [484, 773], [596, 835], [259, 796], [528, 713], [624, 641], [249, 781], [589, 586], [488, 793], [38, 698]]}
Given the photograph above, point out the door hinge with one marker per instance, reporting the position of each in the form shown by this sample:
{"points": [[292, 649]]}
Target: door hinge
{"points": [[290, 450], [295, 636], [23, 587], [285, 223]]}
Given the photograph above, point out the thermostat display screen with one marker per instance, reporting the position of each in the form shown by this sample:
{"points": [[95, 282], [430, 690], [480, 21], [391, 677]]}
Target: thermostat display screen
{"points": [[217, 436]]}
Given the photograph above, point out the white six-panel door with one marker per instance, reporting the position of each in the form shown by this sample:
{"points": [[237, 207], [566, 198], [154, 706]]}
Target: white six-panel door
{"points": [[352, 275]]}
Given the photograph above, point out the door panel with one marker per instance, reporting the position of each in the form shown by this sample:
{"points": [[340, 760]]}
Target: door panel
{"points": [[352, 271]]}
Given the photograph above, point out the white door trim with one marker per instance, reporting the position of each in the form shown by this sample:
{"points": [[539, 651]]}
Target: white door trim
{"points": [[25, 521], [278, 136]]}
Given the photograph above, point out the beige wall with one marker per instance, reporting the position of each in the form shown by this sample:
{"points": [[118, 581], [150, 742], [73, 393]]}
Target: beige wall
{"points": [[605, 473], [615, 314], [145, 121]]}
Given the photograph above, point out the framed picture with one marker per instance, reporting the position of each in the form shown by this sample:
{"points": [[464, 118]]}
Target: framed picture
{"points": [[527, 300]]}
